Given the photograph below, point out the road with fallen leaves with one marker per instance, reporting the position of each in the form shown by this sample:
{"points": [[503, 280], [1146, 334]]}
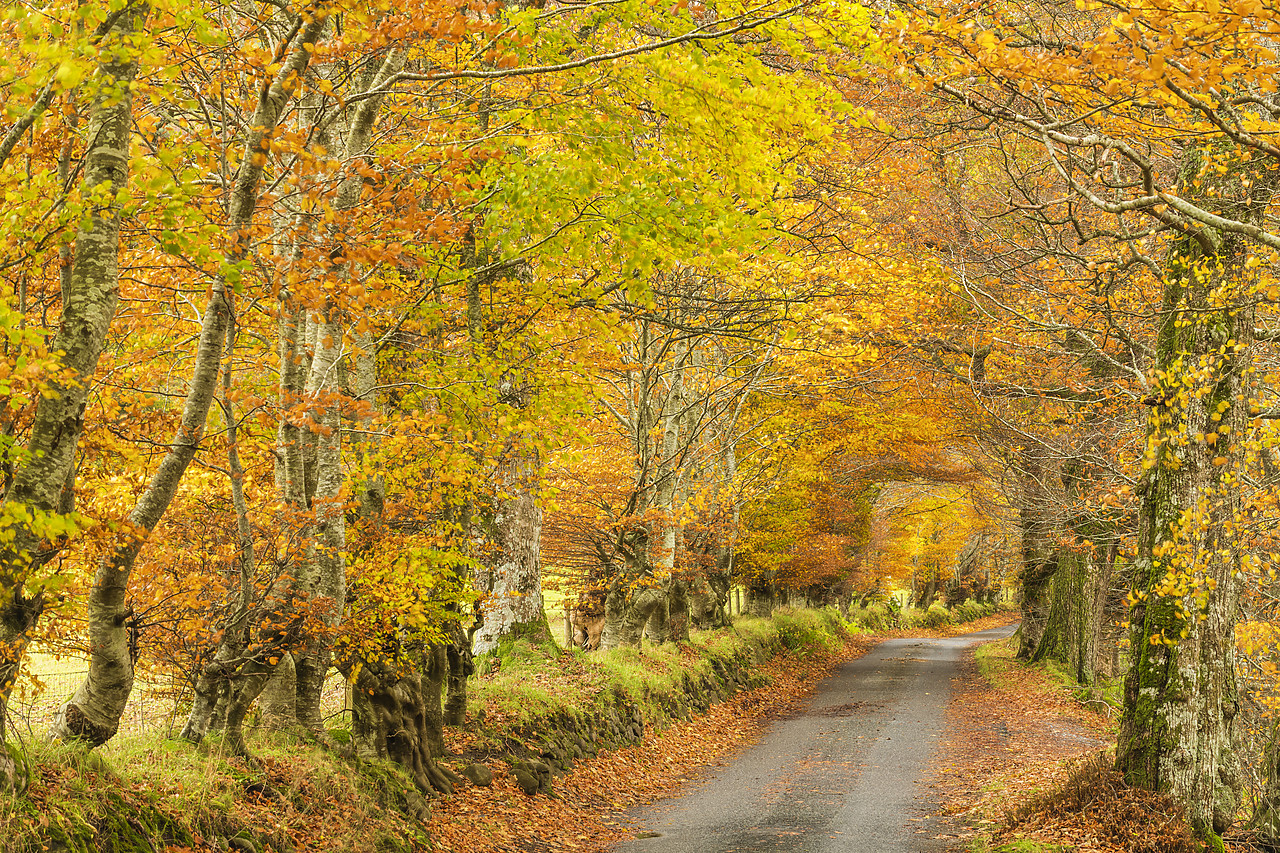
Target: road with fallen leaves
{"points": [[847, 774]]}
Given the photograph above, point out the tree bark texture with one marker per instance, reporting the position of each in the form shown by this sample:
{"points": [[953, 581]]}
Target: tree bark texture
{"points": [[213, 685], [93, 714], [322, 581], [514, 583], [1039, 556], [90, 297], [1265, 821], [398, 717], [1180, 698]]}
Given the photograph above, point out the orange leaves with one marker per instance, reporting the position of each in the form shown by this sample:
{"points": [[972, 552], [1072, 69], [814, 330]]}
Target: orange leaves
{"points": [[588, 815]]}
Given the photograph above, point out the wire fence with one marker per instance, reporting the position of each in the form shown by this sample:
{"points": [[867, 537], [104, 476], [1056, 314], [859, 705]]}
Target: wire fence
{"points": [[158, 706]]}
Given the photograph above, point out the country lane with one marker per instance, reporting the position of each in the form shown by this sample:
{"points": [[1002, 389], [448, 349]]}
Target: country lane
{"points": [[845, 775]]}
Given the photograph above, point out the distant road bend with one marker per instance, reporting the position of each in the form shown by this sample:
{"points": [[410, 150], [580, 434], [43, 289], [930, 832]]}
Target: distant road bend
{"points": [[845, 776]]}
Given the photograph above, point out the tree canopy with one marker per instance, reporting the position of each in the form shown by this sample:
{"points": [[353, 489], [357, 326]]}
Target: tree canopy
{"points": [[331, 332]]}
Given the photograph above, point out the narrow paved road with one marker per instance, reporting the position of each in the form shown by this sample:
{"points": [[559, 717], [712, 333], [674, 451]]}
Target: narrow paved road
{"points": [[845, 776]]}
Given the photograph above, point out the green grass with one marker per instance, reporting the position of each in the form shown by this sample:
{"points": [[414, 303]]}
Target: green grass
{"points": [[146, 791], [149, 792], [528, 680], [1021, 846]]}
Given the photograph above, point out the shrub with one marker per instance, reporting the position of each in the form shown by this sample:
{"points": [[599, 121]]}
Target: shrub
{"points": [[937, 616], [875, 617], [970, 610], [798, 629]]}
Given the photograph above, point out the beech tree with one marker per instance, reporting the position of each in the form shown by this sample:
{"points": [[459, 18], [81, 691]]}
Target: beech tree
{"points": [[1156, 142], [41, 481]]}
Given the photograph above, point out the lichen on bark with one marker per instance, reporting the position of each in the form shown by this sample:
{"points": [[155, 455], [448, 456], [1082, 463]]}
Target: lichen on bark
{"points": [[1180, 699]]}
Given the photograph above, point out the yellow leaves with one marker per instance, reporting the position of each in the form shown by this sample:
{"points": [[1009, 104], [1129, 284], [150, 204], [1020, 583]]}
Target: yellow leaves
{"points": [[69, 74]]}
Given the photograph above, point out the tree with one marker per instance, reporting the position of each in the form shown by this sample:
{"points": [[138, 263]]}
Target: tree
{"points": [[39, 486], [1155, 141]]}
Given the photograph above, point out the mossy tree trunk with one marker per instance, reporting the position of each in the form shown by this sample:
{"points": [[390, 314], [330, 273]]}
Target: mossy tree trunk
{"points": [[1265, 821], [678, 609], [1180, 697], [709, 606], [398, 716], [644, 610], [460, 664], [1077, 593], [1039, 556], [1071, 628]]}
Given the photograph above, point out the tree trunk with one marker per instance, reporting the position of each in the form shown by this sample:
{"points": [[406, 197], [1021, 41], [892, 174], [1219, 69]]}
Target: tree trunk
{"points": [[323, 582], [657, 626], [761, 599], [89, 304], [1180, 697], [279, 699], [678, 610], [461, 664], [399, 717], [637, 613], [927, 593], [213, 686], [514, 584], [1064, 597], [1265, 821], [611, 626], [93, 714], [1039, 557]]}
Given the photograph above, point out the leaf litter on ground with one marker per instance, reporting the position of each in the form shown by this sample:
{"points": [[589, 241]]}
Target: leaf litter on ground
{"points": [[1022, 759], [588, 813]]}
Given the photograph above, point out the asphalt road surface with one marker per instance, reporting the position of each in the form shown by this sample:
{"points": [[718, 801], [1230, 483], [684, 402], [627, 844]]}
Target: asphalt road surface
{"points": [[844, 776]]}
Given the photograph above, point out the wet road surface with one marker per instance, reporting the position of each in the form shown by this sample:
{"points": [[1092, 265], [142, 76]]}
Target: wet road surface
{"points": [[844, 776]]}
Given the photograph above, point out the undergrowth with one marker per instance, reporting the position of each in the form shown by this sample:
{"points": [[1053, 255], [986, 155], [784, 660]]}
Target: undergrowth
{"points": [[149, 793], [1092, 802], [525, 681], [880, 616]]}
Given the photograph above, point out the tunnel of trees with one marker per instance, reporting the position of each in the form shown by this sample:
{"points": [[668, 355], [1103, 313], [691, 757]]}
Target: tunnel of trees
{"points": [[332, 330]]}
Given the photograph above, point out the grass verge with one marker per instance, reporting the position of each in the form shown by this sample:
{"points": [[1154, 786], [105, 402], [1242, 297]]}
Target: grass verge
{"points": [[150, 794]]}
